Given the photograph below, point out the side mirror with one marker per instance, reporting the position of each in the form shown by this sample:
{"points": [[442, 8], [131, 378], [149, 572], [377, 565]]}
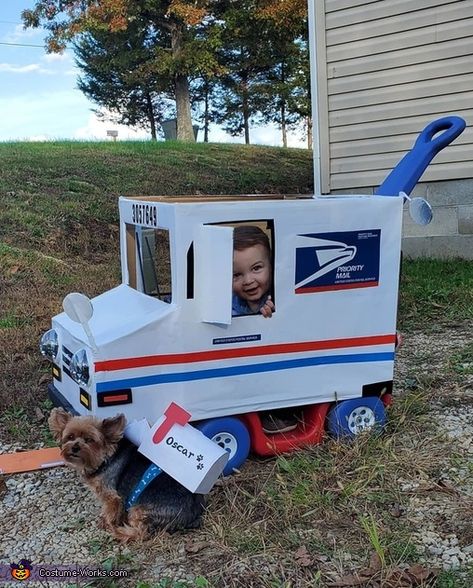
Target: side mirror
{"points": [[420, 210], [78, 307], [80, 310]]}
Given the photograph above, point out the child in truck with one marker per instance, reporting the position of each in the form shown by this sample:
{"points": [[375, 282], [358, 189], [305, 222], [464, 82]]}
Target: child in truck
{"points": [[252, 281]]}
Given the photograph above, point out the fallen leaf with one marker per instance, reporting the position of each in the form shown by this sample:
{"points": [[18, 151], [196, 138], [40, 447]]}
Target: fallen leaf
{"points": [[348, 582], [302, 557], [375, 565], [420, 573], [39, 414], [196, 546], [396, 511], [45, 378]]}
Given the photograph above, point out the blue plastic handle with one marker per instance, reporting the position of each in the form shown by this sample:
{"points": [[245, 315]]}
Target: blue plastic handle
{"points": [[408, 171]]}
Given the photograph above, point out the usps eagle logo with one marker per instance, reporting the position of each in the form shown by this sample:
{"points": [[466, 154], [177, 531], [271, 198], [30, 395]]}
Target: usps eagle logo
{"points": [[326, 262]]}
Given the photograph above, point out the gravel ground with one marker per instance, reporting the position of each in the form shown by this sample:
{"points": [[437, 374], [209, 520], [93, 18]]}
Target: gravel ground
{"points": [[50, 517]]}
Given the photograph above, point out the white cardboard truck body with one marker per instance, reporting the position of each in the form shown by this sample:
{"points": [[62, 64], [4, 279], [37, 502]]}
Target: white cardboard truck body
{"points": [[335, 289]]}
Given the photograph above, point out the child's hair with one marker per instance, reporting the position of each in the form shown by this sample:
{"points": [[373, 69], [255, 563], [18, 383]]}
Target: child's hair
{"points": [[245, 236]]}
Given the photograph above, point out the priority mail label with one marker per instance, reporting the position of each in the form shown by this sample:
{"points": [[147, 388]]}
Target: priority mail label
{"points": [[337, 261]]}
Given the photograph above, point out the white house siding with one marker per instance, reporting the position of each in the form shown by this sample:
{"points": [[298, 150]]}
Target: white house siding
{"points": [[386, 68]]}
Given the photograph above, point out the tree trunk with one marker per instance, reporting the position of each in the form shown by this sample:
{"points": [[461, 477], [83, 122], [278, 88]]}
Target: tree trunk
{"points": [[283, 124], [185, 132], [309, 133], [206, 112], [246, 112], [150, 113], [283, 108]]}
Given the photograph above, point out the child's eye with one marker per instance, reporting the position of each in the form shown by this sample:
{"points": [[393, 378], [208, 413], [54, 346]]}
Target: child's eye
{"points": [[235, 276], [257, 268]]}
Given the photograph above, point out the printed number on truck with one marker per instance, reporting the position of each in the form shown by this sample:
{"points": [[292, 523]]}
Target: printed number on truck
{"points": [[145, 214]]}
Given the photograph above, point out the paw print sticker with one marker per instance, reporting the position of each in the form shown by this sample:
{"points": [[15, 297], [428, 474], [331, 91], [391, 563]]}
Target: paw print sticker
{"points": [[199, 457], [200, 466]]}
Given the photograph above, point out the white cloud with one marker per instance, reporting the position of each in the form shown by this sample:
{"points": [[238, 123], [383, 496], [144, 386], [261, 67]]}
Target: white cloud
{"points": [[264, 135], [57, 57], [97, 129], [25, 69], [12, 68], [47, 114], [21, 35], [38, 138]]}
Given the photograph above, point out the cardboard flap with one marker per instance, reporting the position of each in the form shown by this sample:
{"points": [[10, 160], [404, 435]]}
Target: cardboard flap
{"points": [[213, 273]]}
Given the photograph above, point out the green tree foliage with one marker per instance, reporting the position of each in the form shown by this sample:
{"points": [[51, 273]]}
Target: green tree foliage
{"points": [[119, 73], [184, 51], [203, 95], [285, 87], [243, 56], [241, 61], [262, 52]]}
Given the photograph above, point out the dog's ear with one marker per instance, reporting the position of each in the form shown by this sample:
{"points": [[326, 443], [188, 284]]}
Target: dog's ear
{"points": [[57, 422], [113, 427]]}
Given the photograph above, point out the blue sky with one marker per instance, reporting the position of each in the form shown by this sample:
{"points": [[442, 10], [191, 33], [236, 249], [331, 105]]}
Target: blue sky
{"points": [[39, 99]]}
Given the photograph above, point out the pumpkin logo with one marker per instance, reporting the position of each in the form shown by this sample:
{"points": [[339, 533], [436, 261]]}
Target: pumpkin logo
{"points": [[21, 571]]}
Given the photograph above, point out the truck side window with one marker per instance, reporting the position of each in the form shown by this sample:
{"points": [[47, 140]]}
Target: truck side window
{"points": [[155, 262], [190, 271]]}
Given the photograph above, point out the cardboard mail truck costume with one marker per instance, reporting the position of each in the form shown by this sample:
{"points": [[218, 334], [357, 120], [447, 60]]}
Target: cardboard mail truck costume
{"points": [[329, 346]]}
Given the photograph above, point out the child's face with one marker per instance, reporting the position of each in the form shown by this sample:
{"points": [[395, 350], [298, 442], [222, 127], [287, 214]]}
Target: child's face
{"points": [[251, 274]]}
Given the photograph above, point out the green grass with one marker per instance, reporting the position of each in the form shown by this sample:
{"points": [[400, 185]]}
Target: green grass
{"points": [[455, 579], [434, 292], [462, 362]]}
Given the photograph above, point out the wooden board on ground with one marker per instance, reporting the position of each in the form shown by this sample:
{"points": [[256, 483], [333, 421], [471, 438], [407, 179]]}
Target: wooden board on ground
{"points": [[28, 461]]}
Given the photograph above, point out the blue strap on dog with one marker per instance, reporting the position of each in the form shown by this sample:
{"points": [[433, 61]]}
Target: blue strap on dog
{"points": [[151, 473]]}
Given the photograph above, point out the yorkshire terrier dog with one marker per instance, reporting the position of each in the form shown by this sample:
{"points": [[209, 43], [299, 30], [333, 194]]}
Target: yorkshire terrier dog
{"points": [[112, 467]]}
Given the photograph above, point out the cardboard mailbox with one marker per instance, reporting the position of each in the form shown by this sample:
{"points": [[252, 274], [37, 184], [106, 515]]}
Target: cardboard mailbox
{"points": [[180, 450]]}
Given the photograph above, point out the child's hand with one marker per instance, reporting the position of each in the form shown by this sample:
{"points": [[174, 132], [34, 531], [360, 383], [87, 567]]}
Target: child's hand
{"points": [[268, 308]]}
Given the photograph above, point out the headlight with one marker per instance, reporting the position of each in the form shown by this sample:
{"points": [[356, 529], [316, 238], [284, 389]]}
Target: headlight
{"points": [[79, 367], [49, 345]]}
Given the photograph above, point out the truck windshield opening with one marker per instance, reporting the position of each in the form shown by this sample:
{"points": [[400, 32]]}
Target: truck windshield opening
{"points": [[149, 264]]}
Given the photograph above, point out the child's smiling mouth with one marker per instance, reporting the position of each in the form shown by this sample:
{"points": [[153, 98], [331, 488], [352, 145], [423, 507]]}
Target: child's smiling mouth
{"points": [[252, 291]]}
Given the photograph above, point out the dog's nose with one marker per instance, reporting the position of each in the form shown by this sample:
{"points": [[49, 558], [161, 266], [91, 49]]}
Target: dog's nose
{"points": [[75, 448]]}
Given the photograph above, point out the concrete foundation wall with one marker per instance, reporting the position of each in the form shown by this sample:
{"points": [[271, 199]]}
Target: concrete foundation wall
{"points": [[450, 234]]}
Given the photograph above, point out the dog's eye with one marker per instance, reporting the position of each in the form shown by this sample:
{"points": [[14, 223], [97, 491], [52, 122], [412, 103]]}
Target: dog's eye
{"points": [[70, 437], [88, 440]]}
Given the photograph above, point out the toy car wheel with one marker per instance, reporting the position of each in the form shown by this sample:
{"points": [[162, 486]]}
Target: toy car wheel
{"points": [[352, 417], [231, 434]]}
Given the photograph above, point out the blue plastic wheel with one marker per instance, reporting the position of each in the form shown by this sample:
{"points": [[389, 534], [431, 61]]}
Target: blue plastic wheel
{"points": [[349, 418], [231, 434]]}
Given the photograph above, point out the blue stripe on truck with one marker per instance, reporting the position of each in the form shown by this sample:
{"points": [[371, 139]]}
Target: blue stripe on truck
{"points": [[239, 370]]}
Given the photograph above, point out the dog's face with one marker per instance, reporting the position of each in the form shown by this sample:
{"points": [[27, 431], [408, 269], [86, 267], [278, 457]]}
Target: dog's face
{"points": [[86, 442]]}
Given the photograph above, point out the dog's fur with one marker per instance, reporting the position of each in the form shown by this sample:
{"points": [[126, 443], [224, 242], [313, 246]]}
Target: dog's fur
{"points": [[112, 467]]}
